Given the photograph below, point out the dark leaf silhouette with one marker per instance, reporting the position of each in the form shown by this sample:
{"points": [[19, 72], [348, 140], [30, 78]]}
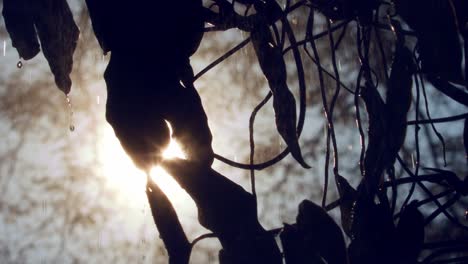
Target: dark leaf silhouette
{"points": [[348, 197], [296, 249], [398, 101], [465, 137], [321, 233], [435, 26], [19, 21], [56, 30], [374, 161], [272, 63], [410, 232], [167, 222], [227, 210], [373, 233]]}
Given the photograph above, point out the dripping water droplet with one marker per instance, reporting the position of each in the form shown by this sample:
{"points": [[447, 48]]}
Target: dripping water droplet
{"points": [[4, 48], [70, 108], [19, 64]]}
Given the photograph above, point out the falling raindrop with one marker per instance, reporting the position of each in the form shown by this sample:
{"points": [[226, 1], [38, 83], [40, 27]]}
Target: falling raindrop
{"points": [[19, 64], [98, 99], [339, 65], [70, 107], [4, 48], [412, 161]]}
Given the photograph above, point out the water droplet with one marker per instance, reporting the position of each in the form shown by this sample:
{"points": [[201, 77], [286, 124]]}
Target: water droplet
{"points": [[70, 108], [4, 48], [19, 64]]}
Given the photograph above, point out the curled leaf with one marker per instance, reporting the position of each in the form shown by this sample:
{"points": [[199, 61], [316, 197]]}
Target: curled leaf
{"points": [[273, 66]]}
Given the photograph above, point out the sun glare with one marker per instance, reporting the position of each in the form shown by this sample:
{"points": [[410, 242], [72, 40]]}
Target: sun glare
{"points": [[129, 181]]}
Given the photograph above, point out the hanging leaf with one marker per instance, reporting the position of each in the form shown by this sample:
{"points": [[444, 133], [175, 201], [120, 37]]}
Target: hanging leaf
{"points": [[19, 21], [398, 101], [374, 160], [59, 35], [273, 66]]}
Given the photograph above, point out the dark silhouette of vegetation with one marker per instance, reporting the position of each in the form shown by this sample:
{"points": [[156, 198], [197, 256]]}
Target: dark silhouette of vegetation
{"points": [[383, 225]]}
